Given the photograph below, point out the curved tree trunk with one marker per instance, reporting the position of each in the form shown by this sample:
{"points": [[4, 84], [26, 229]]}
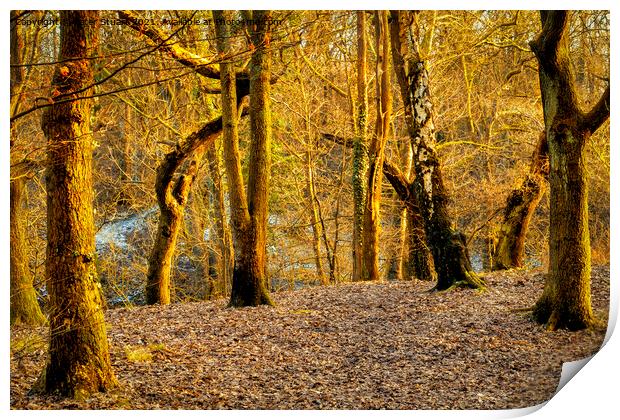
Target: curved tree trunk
{"points": [[171, 200], [448, 246], [565, 302], [509, 249], [78, 363]]}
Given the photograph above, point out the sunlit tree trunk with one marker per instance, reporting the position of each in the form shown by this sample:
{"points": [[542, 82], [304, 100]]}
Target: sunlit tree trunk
{"points": [[25, 308], [248, 211], [372, 217], [24, 305], [448, 246], [565, 302], [509, 250], [360, 148], [317, 229], [78, 361], [223, 237]]}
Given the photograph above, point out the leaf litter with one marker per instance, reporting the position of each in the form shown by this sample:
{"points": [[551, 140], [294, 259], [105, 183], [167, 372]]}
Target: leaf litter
{"points": [[370, 345]]}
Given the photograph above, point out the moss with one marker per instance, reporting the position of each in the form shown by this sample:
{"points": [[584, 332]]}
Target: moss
{"points": [[138, 353]]}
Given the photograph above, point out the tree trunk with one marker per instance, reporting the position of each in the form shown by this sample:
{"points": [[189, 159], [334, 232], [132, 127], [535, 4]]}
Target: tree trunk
{"points": [[248, 212], [225, 260], [509, 249], [396, 259], [317, 230], [172, 201], [78, 362], [448, 246], [360, 149], [25, 308], [24, 305], [372, 217], [419, 262], [565, 302]]}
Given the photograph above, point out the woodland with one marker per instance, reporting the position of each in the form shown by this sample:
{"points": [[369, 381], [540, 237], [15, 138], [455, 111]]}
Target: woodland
{"points": [[306, 209]]}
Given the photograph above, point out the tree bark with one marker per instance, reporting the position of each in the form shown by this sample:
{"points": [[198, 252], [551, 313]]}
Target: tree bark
{"points": [[317, 228], [172, 199], [360, 149], [420, 259], [24, 305], [223, 237], [565, 302], [374, 182], [448, 246], [25, 309], [419, 263], [248, 211], [78, 362], [509, 250]]}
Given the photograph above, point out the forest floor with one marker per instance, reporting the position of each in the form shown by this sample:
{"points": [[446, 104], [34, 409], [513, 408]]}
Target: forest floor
{"points": [[370, 345]]}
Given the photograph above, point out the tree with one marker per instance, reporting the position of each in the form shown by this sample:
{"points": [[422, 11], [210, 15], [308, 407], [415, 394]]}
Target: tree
{"points": [[509, 249], [24, 305], [360, 148], [376, 151], [172, 198], [78, 363], [248, 211], [565, 302], [448, 246]]}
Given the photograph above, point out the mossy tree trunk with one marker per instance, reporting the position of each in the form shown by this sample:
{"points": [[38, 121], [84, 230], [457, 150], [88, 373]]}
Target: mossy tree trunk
{"points": [[360, 148], [25, 308], [509, 249], [78, 360], [248, 211], [565, 302], [448, 246]]}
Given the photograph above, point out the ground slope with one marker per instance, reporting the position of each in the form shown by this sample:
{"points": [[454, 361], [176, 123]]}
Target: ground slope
{"points": [[352, 346]]}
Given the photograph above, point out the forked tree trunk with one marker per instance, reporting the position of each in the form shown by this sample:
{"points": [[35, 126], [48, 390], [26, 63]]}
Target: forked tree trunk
{"points": [[24, 305], [372, 217], [419, 262], [360, 148], [78, 361], [565, 302], [448, 246], [509, 250], [172, 199], [248, 213]]}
